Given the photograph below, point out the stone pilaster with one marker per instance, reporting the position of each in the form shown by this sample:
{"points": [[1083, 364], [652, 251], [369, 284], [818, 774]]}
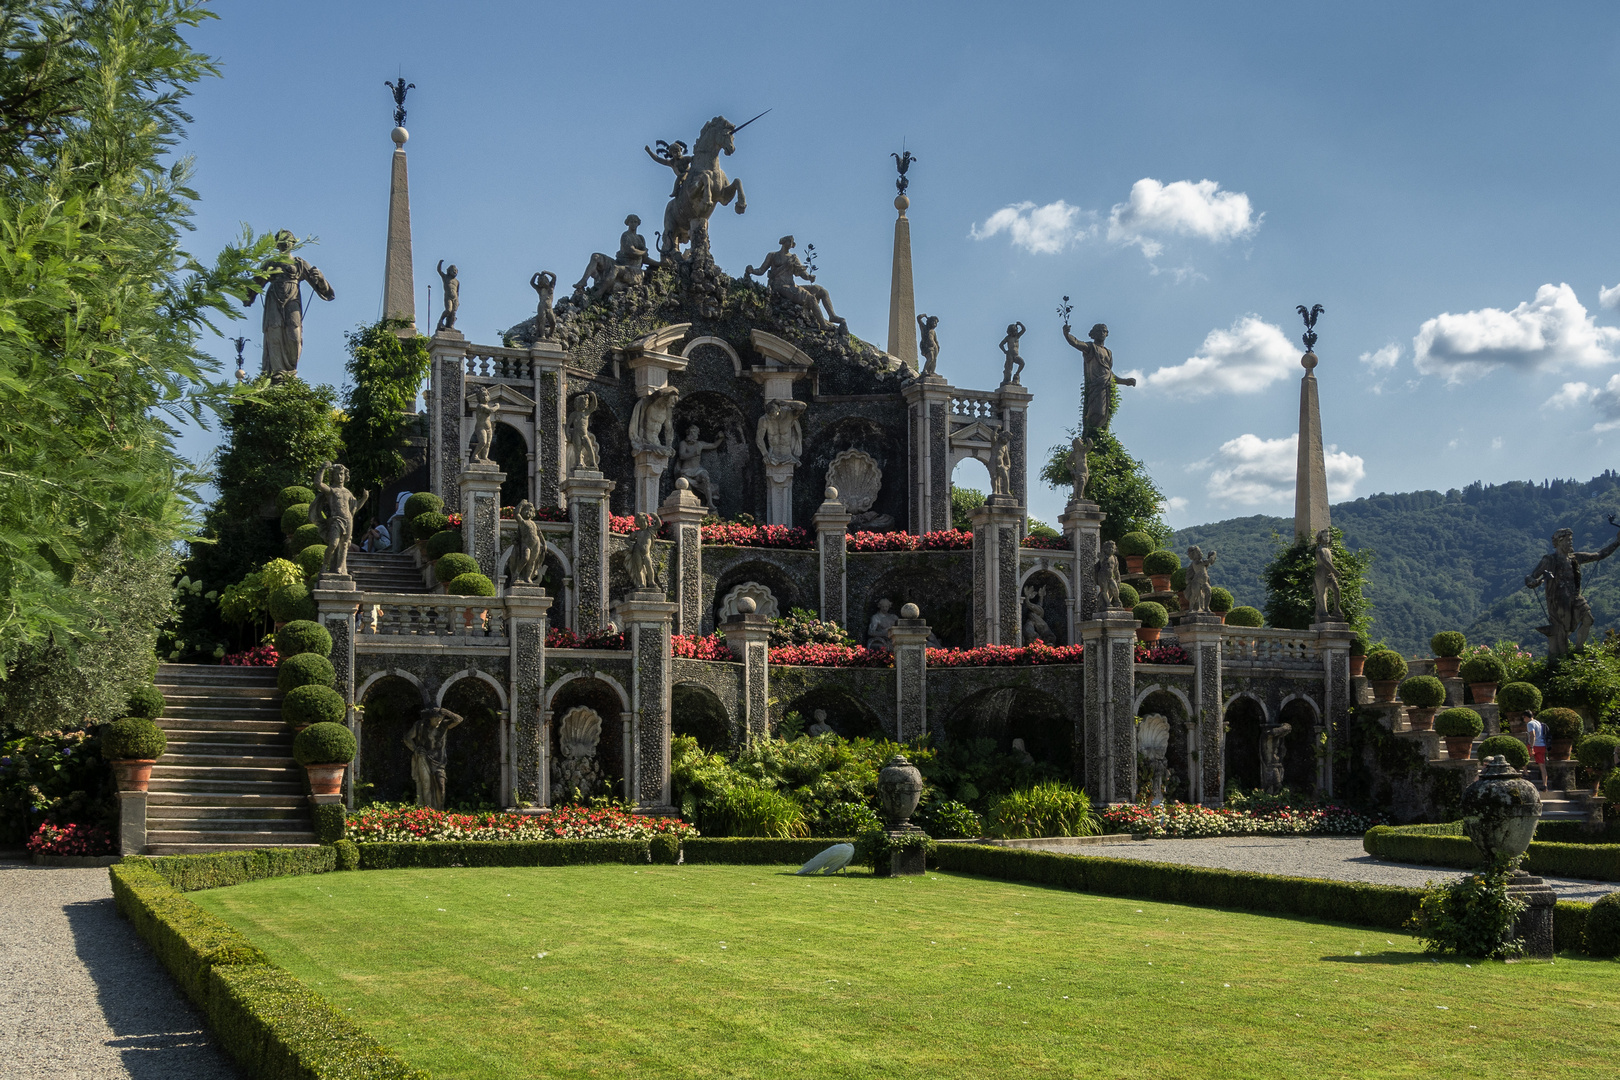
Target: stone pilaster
{"points": [[1082, 524], [479, 498], [683, 512], [650, 466], [587, 494], [335, 609], [1110, 707], [132, 823], [748, 634], [445, 409], [1202, 636], [832, 550], [928, 403], [998, 526], [910, 639], [1013, 403], [1333, 639], [645, 616], [522, 773], [779, 494], [550, 422]]}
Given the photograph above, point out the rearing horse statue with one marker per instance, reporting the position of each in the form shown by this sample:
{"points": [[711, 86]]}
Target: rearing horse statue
{"points": [[702, 188]]}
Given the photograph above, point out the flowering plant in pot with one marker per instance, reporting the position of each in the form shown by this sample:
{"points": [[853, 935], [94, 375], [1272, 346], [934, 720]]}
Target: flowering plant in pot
{"points": [[1483, 673], [1133, 546], [1422, 694], [1515, 699], [1447, 647], [325, 750], [1385, 669], [1459, 727], [133, 746], [1160, 566], [1153, 618], [1563, 728]]}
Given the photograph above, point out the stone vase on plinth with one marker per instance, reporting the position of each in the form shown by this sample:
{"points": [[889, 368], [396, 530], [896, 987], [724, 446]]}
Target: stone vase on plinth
{"points": [[900, 788], [1500, 812]]}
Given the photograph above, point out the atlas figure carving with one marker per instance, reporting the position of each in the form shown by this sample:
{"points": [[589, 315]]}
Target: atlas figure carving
{"points": [[429, 744]]}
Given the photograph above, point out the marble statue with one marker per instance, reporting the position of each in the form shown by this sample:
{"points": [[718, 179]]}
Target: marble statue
{"points": [[1198, 578], [689, 463], [575, 773], [779, 436], [638, 561], [452, 296], [622, 271], [1000, 463], [1272, 752], [484, 409], [1035, 625], [780, 268], [928, 343], [428, 742], [283, 310], [1568, 612], [333, 512], [1079, 463], [1100, 378], [879, 632], [1326, 582], [583, 453], [544, 283], [673, 156], [1009, 347], [1106, 575], [820, 727], [529, 549], [652, 421], [700, 186], [1153, 743], [858, 480]]}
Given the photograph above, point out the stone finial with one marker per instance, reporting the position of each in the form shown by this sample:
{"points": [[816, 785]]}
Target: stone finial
{"points": [[747, 605], [682, 484], [910, 611], [400, 137], [831, 494]]}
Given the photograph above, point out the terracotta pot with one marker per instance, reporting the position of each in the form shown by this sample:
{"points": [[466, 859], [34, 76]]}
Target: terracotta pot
{"points": [[1445, 667], [1147, 633], [325, 779], [1459, 746], [133, 774], [1421, 719], [1515, 722], [1558, 749], [1384, 690], [1356, 664], [1161, 583], [1484, 692], [1133, 564], [1181, 600]]}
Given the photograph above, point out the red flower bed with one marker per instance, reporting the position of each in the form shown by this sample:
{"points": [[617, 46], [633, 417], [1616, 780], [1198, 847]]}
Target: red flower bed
{"points": [[405, 824], [766, 536], [1160, 654], [831, 656], [943, 540], [73, 839], [258, 656], [622, 523], [1005, 655], [1048, 543], [694, 647], [558, 638], [541, 513]]}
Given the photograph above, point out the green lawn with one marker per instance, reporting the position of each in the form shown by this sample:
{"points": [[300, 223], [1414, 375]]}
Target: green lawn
{"points": [[726, 971]]}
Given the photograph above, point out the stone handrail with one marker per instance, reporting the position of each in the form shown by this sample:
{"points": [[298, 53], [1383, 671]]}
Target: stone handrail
{"points": [[435, 615], [1271, 647], [496, 363], [976, 404]]}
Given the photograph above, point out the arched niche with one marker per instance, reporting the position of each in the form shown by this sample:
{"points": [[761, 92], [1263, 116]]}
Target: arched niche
{"points": [[607, 699], [1244, 717], [826, 439], [942, 598], [765, 573], [1052, 591], [512, 454], [1002, 714], [847, 714], [472, 778], [1171, 705], [391, 704], [613, 445], [697, 711], [1299, 761], [735, 464]]}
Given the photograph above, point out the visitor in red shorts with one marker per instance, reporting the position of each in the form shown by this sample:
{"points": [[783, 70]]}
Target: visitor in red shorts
{"points": [[1538, 745]]}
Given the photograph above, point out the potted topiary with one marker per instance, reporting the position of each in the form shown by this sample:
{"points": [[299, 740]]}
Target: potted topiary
{"points": [[1505, 746], [1459, 727], [1422, 694], [145, 701], [325, 750], [1245, 616], [312, 704], [1596, 751], [471, 583], [1132, 547], [1483, 672], [1128, 596], [311, 560], [1178, 585], [1515, 699], [452, 565], [1563, 728], [1447, 646], [304, 669], [423, 502], [441, 544], [1358, 655], [1159, 565], [1220, 602], [133, 746], [291, 603], [1153, 618], [303, 636], [1385, 669]]}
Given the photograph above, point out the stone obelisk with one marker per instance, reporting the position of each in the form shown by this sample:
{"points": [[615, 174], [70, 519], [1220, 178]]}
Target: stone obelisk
{"points": [[399, 282], [1310, 477], [902, 299]]}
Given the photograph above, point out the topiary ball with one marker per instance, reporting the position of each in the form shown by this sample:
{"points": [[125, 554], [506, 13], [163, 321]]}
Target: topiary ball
{"points": [[146, 701], [1562, 724], [1219, 599], [472, 584], [134, 738], [426, 524], [312, 559], [1178, 578], [1161, 562], [1482, 668], [1505, 746], [1423, 692], [1518, 697], [305, 536], [1455, 723], [1448, 643], [1603, 926], [295, 516], [305, 705], [1128, 596], [325, 744], [451, 566], [1385, 665], [1151, 615], [421, 503], [1136, 543], [1611, 786], [1596, 751], [441, 544], [292, 496], [303, 636], [1245, 616], [290, 603], [304, 669]]}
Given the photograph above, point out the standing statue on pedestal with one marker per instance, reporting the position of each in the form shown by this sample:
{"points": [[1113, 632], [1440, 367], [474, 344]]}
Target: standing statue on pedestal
{"points": [[283, 311], [1106, 576], [1568, 612], [779, 436], [1273, 751], [332, 511], [1079, 463], [638, 561], [928, 343], [544, 283], [1009, 348], [428, 741], [452, 296], [1000, 463], [529, 549], [1100, 378], [623, 271], [780, 267], [652, 420], [583, 453], [700, 185], [483, 433], [1326, 582], [1198, 587], [689, 463]]}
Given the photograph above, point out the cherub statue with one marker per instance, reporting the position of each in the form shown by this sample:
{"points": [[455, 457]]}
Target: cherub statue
{"points": [[529, 550], [1035, 625], [452, 296], [929, 345], [639, 559], [1326, 583], [483, 434], [1198, 578], [544, 283], [1009, 347], [689, 463], [428, 741], [674, 156], [333, 513], [583, 452], [1106, 575], [1079, 467], [1100, 379]]}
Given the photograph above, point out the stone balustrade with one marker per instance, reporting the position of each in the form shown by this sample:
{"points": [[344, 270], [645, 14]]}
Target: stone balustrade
{"points": [[470, 619], [1271, 647], [495, 363], [976, 404]]}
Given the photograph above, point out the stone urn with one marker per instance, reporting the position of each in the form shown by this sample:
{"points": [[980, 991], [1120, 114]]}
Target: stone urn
{"points": [[133, 774], [1500, 810], [325, 779], [900, 788]]}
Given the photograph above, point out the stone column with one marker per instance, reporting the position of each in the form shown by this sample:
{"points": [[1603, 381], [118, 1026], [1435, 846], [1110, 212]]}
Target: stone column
{"points": [[1334, 639], [1082, 524], [445, 408], [522, 773], [1110, 707], [1013, 405], [645, 616], [335, 609], [1201, 636], [550, 422], [997, 527], [587, 494], [132, 823], [910, 639], [832, 549], [480, 503], [928, 404], [683, 512], [545, 755], [748, 634]]}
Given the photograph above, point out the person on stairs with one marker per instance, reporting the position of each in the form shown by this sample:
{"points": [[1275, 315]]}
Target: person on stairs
{"points": [[1538, 744]]}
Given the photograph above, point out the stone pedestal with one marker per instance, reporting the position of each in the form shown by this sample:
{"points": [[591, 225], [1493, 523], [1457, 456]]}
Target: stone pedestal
{"points": [[910, 863], [832, 549], [447, 404], [523, 753], [335, 610], [683, 512], [998, 526], [1334, 639], [779, 494], [645, 616], [650, 466], [1201, 636], [1082, 526], [1110, 707], [749, 635], [480, 503], [928, 482], [587, 494], [910, 639], [1535, 923], [132, 823], [550, 422], [1012, 403]]}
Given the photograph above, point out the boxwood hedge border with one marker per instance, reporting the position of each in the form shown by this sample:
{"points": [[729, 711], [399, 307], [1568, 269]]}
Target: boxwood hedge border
{"points": [[1430, 846]]}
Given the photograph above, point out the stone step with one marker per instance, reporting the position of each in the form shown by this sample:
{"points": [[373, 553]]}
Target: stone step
{"points": [[227, 771], [229, 831], [226, 755], [204, 813], [212, 788], [169, 848], [222, 674], [232, 732], [187, 692], [225, 713], [222, 799]]}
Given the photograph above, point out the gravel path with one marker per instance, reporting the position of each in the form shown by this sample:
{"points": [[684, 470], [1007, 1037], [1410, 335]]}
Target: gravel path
{"points": [[1339, 858], [81, 996]]}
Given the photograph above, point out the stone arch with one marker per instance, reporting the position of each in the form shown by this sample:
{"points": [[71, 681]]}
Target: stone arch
{"points": [[392, 700], [515, 457], [1299, 761], [698, 711], [473, 772], [622, 703], [942, 598], [824, 441], [1171, 703], [472, 673], [556, 574], [1054, 606], [735, 465], [1002, 714], [769, 574], [847, 714], [698, 351], [1244, 716], [387, 673], [603, 694], [958, 457], [613, 445]]}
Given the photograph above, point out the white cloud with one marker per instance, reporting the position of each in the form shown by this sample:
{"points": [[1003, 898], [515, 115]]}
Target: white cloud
{"points": [[1175, 504], [1607, 402], [1383, 359], [1245, 359], [1568, 396], [1551, 331], [1042, 230], [1251, 470], [1181, 208], [1496, 443], [1610, 297]]}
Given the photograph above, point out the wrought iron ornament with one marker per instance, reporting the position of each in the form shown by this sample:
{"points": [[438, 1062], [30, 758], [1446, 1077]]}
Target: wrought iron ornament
{"points": [[399, 90], [902, 162], [1310, 315]]}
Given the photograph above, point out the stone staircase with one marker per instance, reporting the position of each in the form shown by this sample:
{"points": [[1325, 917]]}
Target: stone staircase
{"points": [[386, 572], [228, 781]]}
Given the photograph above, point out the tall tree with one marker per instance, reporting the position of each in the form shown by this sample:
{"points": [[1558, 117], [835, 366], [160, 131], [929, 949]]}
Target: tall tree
{"points": [[1119, 484], [386, 371]]}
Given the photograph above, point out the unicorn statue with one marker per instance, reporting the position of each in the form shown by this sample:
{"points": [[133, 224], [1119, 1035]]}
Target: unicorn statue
{"points": [[701, 185]]}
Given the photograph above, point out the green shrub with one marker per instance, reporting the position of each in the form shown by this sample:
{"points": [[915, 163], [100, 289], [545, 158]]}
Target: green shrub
{"points": [[951, 820], [473, 584], [303, 636], [1505, 746], [422, 502], [291, 603], [306, 705], [1483, 668], [293, 517], [425, 525], [325, 744], [1178, 578], [877, 848], [1128, 594], [1473, 916], [1562, 724], [1596, 751], [305, 536], [312, 560], [186, 939], [1455, 723], [1518, 697], [304, 669], [1423, 692], [441, 544], [757, 811], [1245, 616], [503, 853], [1385, 665], [330, 819], [292, 496], [146, 700], [1220, 600], [1448, 643], [1358, 644], [1151, 615], [664, 848], [348, 854], [451, 566], [849, 819], [1049, 808], [1603, 926], [1136, 543], [134, 738], [1161, 562], [188, 873], [1611, 786]]}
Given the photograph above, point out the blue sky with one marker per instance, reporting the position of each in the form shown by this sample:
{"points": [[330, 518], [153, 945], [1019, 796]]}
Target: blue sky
{"points": [[1441, 178]]}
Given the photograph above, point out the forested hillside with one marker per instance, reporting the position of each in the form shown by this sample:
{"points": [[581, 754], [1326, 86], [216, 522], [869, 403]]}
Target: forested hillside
{"points": [[1452, 560]]}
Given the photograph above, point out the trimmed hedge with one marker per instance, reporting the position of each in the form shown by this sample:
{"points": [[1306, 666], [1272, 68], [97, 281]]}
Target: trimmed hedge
{"points": [[303, 636], [1385, 665], [1136, 543], [441, 544], [1151, 615], [502, 853], [1507, 746], [188, 940], [1482, 668], [146, 701], [348, 854], [305, 536], [1574, 832], [1178, 578], [1603, 927], [304, 669], [1128, 596], [473, 584], [1220, 600], [295, 515], [1562, 723], [1518, 697], [1161, 562], [421, 503], [757, 850], [1569, 925], [329, 820], [425, 524], [1596, 751], [311, 560], [292, 496], [450, 566], [307, 705], [188, 873], [1458, 722], [1448, 643], [1244, 616], [1592, 862], [1422, 692], [292, 603], [325, 744], [134, 738]]}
